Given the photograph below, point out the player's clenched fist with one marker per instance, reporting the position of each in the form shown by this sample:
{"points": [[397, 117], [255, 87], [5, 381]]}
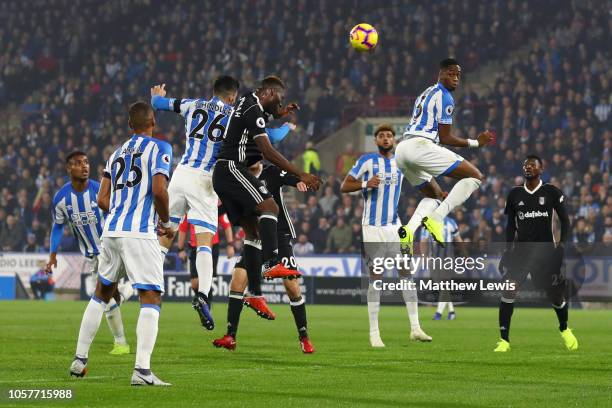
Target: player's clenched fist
{"points": [[159, 90], [373, 182], [312, 182], [486, 138]]}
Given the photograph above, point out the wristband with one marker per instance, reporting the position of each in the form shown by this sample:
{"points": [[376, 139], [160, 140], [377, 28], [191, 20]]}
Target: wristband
{"points": [[364, 184], [473, 144], [166, 224]]}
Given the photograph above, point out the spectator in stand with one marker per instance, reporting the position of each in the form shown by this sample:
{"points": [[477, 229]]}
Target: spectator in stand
{"points": [[346, 160], [13, 234], [318, 236], [340, 238], [303, 246], [328, 202]]}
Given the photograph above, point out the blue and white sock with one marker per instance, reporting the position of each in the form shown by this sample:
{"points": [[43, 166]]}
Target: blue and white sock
{"points": [[89, 326]]}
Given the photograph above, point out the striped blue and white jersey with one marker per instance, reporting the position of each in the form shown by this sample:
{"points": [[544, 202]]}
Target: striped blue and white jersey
{"points": [[380, 204], [79, 210], [205, 123], [451, 233], [433, 107], [131, 169]]}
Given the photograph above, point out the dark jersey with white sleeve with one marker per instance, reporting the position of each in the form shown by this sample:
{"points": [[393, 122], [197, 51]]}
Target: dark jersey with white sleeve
{"points": [[530, 213], [274, 179], [247, 123]]}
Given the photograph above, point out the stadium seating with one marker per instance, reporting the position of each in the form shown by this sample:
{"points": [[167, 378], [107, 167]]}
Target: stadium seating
{"points": [[56, 96]]}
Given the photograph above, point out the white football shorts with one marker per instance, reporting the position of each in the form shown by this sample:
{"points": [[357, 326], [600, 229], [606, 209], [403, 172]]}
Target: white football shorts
{"points": [[380, 241], [420, 159], [139, 259], [191, 192]]}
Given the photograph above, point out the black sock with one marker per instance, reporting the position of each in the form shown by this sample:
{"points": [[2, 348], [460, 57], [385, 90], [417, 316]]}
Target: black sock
{"points": [[252, 263], [210, 298], [269, 238], [298, 308], [505, 314], [562, 315], [234, 308]]}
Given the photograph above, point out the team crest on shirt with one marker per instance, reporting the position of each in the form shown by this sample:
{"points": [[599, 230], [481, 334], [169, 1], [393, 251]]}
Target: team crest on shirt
{"points": [[542, 200], [449, 110], [166, 159]]}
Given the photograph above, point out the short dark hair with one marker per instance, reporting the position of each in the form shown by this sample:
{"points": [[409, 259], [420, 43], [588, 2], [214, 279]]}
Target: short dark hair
{"points": [[448, 62], [139, 115], [225, 85], [536, 158], [272, 81], [384, 128], [74, 154]]}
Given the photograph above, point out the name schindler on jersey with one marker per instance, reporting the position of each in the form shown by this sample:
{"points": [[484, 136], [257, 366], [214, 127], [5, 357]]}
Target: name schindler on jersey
{"points": [[532, 214]]}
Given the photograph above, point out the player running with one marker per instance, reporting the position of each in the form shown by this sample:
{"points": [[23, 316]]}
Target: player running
{"points": [[75, 205], [191, 191], [247, 201], [274, 179], [421, 158], [379, 179], [134, 190], [451, 235], [531, 249]]}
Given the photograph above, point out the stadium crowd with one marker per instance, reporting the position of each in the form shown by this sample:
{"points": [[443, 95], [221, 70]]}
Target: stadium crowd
{"points": [[555, 103]]}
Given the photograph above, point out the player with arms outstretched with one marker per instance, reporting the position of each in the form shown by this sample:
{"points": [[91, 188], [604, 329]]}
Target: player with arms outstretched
{"points": [[274, 179], [421, 157], [531, 249], [191, 191], [378, 177], [134, 191], [247, 201], [76, 205]]}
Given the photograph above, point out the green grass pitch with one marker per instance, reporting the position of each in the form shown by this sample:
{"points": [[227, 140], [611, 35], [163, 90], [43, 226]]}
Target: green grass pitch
{"points": [[458, 369]]}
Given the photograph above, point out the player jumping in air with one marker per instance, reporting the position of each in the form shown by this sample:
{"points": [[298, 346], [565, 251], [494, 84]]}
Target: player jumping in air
{"points": [[191, 191], [274, 179], [531, 249], [75, 205], [379, 178], [134, 191], [421, 158], [247, 201]]}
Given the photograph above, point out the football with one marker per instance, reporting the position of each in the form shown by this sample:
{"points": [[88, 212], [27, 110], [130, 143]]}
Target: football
{"points": [[364, 37]]}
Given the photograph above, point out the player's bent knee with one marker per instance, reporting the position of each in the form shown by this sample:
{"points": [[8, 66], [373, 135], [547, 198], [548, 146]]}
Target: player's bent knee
{"points": [[105, 292], [204, 238], [239, 280], [293, 288], [149, 297], [267, 206]]}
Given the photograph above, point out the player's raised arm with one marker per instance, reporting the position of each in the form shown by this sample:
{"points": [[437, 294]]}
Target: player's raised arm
{"points": [[447, 138], [270, 153], [160, 102]]}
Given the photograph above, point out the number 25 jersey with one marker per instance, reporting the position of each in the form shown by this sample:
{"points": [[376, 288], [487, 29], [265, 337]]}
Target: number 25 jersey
{"points": [[131, 169]]}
